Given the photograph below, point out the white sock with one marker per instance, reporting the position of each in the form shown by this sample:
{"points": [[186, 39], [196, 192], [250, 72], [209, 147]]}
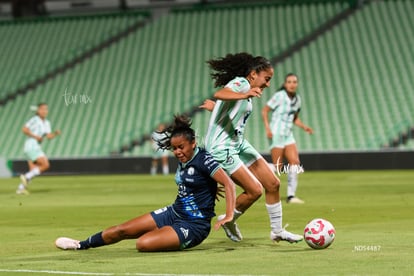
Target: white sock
{"points": [[21, 186], [153, 170], [275, 216], [165, 169], [292, 179], [31, 174]]}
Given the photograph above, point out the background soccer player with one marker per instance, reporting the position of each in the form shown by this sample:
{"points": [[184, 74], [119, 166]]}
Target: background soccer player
{"points": [[36, 129], [158, 155], [285, 106]]}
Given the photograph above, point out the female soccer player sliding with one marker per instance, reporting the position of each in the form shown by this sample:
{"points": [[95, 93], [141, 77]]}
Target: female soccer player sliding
{"points": [[186, 222]]}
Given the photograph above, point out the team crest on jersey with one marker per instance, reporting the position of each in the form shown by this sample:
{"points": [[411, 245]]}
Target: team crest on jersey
{"points": [[190, 171], [229, 160]]}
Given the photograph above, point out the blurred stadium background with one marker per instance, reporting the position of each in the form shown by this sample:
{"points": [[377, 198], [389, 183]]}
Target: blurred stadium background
{"points": [[112, 70]]}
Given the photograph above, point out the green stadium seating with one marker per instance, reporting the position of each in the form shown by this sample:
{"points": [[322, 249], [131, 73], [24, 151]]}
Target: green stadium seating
{"points": [[354, 80]]}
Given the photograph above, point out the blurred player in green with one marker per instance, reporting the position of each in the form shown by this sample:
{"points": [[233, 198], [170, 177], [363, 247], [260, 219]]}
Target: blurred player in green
{"points": [[285, 106], [36, 129], [159, 154]]}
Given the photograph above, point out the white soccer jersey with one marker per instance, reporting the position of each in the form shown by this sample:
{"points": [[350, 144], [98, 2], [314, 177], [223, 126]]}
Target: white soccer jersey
{"points": [[228, 119], [38, 127], [284, 110]]}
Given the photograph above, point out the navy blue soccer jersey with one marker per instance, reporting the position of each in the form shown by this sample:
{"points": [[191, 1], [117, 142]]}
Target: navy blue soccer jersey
{"points": [[196, 187]]}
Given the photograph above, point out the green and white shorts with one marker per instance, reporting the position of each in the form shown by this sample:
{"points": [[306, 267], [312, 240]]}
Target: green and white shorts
{"points": [[232, 159], [33, 150], [281, 141]]}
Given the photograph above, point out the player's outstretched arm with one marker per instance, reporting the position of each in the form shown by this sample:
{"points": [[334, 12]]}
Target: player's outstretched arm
{"points": [[53, 134], [221, 177], [300, 124]]}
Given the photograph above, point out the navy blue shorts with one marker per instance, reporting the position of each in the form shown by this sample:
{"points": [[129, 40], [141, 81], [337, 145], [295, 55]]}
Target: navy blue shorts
{"points": [[190, 232]]}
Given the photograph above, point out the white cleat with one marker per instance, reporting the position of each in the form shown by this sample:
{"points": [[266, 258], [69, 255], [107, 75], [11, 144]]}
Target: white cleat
{"points": [[67, 243], [295, 200], [231, 229], [22, 192], [285, 236], [24, 180]]}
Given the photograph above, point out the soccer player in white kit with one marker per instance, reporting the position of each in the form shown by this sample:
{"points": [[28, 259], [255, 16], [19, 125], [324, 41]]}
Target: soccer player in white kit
{"points": [[36, 129], [285, 106], [241, 78]]}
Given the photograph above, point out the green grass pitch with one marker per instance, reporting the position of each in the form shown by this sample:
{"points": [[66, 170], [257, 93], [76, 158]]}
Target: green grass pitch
{"points": [[372, 211]]}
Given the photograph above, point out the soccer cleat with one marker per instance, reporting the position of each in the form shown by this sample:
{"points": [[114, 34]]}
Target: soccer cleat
{"points": [[22, 192], [285, 236], [67, 243], [295, 200], [231, 229], [24, 180]]}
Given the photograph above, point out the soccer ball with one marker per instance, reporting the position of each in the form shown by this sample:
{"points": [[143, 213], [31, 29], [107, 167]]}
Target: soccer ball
{"points": [[319, 233]]}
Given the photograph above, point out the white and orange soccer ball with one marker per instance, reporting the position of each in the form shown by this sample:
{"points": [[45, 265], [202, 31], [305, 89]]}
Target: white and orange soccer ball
{"points": [[319, 233]]}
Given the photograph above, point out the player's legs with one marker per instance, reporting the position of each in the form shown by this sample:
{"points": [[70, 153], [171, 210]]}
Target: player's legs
{"points": [[252, 189], [154, 166], [271, 184], [277, 158], [162, 239], [131, 229], [165, 167], [36, 167], [268, 180], [292, 156]]}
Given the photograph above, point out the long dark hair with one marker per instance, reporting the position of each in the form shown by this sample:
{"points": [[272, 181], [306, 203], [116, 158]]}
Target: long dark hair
{"points": [[236, 65], [180, 127]]}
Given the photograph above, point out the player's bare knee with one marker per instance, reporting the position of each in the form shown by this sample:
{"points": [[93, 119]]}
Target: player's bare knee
{"points": [[143, 245], [273, 186], [256, 193]]}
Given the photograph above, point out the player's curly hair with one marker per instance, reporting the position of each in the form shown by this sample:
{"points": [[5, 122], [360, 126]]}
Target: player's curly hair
{"points": [[236, 65], [181, 126]]}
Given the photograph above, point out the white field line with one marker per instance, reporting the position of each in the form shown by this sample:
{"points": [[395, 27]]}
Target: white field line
{"points": [[97, 273]]}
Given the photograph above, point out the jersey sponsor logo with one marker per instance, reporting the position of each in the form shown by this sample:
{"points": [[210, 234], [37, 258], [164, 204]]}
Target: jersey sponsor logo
{"points": [[184, 231]]}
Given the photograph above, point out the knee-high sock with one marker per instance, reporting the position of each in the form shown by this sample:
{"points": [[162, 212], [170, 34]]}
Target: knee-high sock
{"points": [[275, 216], [292, 182], [93, 241], [31, 174]]}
